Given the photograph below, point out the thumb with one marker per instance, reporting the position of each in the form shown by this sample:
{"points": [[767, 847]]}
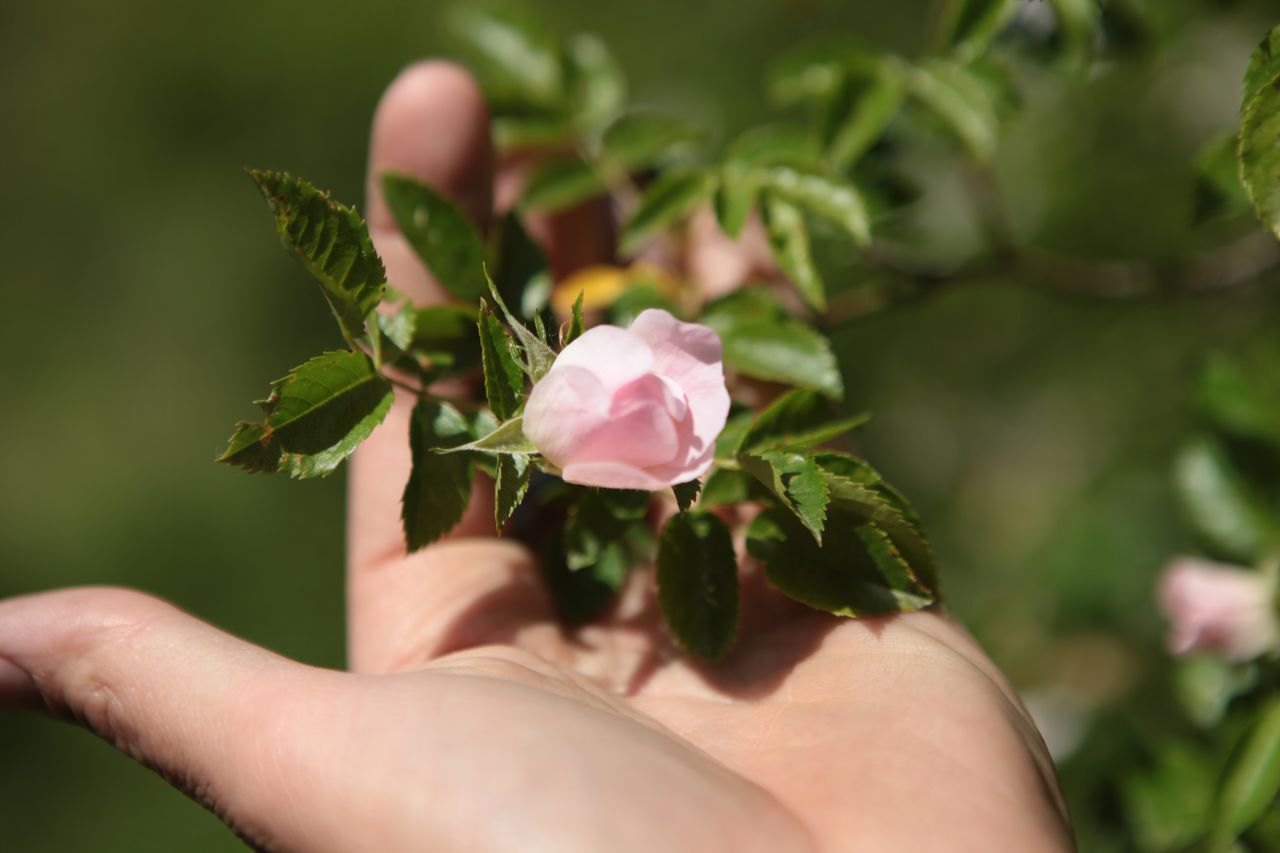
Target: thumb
{"points": [[197, 705]]}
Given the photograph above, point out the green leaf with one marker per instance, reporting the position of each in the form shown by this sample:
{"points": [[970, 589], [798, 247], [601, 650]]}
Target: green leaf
{"points": [[1253, 780], [961, 101], [725, 487], [439, 485], [796, 420], [873, 110], [1241, 396], [735, 197], [516, 59], [509, 437], [670, 199], [596, 83], [797, 482], [780, 144], [1264, 67], [1260, 152], [332, 242], [730, 440], [561, 184], [315, 417], [521, 271], [517, 132], [510, 486], [686, 494], [645, 138], [763, 341], [815, 72], [789, 239], [605, 532], [252, 448], [1169, 803], [503, 378], [576, 325], [832, 198], [972, 25], [698, 584], [444, 340], [1222, 509], [855, 572], [538, 356], [1206, 686], [1079, 22], [440, 233], [399, 326]]}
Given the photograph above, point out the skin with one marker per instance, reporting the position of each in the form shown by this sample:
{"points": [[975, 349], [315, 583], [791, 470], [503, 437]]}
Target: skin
{"points": [[471, 721]]}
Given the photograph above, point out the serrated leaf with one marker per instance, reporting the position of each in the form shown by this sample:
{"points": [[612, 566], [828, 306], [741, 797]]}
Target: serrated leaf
{"points": [[511, 484], [598, 529], [644, 138], [1264, 66], [1260, 152], [331, 241], [503, 378], [315, 417], [538, 356], [252, 449], [873, 110], [439, 486], [762, 341], [797, 482], [796, 420], [789, 239], [561, 184], [855, 572], [961, 102], [1253, 781], [509, 437], [1222, 509], [833, 198], [517, 60], [670, 199], [595, 81], [698, 584], [440, 233], [686, 494], [970, 26]]}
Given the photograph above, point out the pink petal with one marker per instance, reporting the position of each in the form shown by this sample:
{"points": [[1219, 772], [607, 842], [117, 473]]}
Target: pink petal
{"points": [[641, 434], [1218, 608], [564, 410], [611, 475], [691, 355], [614, 355]]}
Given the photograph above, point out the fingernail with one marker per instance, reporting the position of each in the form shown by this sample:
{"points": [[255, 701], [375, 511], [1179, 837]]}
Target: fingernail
{"points": [[16, 685]]}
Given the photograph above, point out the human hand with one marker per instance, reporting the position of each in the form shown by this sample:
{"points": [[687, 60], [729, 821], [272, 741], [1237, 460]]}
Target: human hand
{"points": [[472, 721]]}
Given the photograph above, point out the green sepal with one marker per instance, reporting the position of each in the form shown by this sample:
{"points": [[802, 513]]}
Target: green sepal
{"points": [[509, 437], [511, 484], [503, 378], [686, 494]]}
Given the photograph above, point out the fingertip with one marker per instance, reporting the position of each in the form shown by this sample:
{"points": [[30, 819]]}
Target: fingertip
{"points": [[432, 123]]}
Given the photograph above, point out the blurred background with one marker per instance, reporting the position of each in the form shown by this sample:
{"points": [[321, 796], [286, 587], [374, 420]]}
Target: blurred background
{"points": [[147, 301]]}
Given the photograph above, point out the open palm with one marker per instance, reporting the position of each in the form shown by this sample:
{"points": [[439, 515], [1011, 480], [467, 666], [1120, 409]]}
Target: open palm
{"points": [[472, 721]]}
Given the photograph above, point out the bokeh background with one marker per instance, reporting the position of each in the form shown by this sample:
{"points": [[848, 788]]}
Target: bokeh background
{"points": [[146, 301]]}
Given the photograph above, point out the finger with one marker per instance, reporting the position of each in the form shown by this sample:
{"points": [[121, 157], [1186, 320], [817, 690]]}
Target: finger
{"points": [[406, 609], [193, 703], [431, 124]]}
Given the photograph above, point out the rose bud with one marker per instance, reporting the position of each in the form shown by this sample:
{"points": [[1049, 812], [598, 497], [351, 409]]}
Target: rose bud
{"points": [[634, 408], [1224, 610]]}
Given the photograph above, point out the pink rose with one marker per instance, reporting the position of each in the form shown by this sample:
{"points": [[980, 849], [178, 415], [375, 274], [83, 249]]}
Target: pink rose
{"points": [[636, 408], [1225, 610]]}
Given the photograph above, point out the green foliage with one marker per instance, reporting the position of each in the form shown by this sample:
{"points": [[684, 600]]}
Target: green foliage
{"points": [[440, 233], [698, 584], [521, 271], [1252, 782], [797, 482], [1169, 803], [970, 26], [560, 184], [796, 420], [576, 325], [332, 243], [789, 239], [439, 486], [507, 438], [1240, 396], [1219, 193], [1264, 67], [511, 484], [606, 533], [1260, 150], [1224, 510], [503, 378], [314, 418], [763, 341], [647, 138], [670, 199], [961, 102], [444, 341]]}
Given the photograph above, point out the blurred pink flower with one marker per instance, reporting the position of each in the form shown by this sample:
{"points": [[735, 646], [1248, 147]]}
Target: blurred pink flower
{"points": [[635, 408], [1224, 610]]}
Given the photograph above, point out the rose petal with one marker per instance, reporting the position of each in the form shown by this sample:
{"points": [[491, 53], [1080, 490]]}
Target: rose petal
{"points": [[641, 433], [564, 410], [691, 355], [611, 475], [614, 355], [654, 388], [1218, 608]]}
